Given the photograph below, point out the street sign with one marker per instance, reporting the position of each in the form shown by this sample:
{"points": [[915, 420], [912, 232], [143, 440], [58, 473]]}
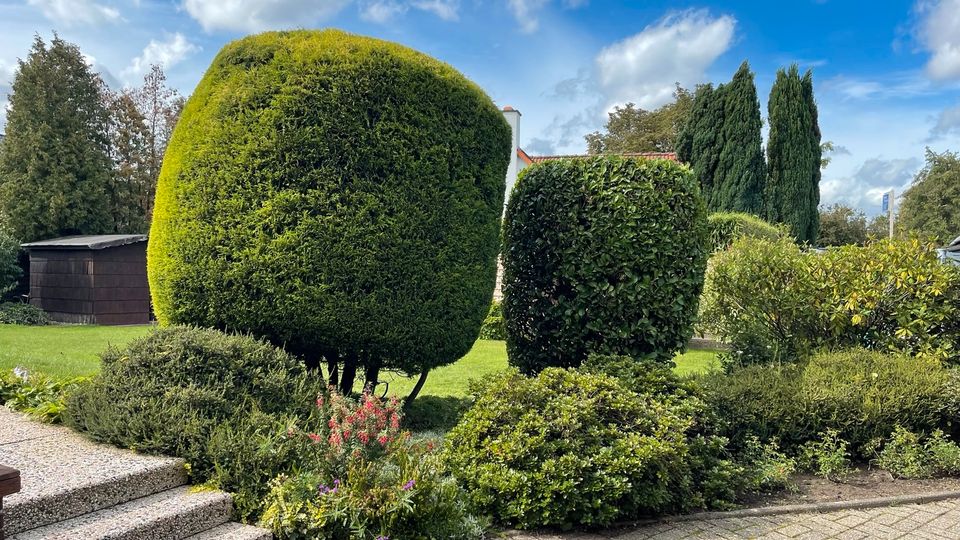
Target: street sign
{"points": [[886, 202]]}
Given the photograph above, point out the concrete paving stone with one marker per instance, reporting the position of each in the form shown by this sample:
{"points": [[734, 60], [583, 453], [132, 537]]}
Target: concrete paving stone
{"points": [[233, 531], [792, 530], [65, 475], [172, 515]]}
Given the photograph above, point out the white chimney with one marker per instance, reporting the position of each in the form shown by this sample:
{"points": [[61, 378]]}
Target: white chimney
{"points": [[513, 118]]}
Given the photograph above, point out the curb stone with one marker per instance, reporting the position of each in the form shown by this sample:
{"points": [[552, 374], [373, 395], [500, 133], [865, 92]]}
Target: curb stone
{"points": [[811, 508]]}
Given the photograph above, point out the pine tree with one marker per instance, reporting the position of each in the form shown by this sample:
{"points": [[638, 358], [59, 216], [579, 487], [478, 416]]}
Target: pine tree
{"points": [[794, 155], [699, 142], [738, 183], [55, 173]]}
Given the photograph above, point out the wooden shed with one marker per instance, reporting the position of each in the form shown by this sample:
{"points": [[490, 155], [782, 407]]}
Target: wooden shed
{"points": [[91, 279]]}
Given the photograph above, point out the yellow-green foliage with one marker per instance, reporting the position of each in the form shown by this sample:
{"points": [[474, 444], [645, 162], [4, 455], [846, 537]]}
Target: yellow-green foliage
{"points": [[332, 192], [725, 227], [776, 301]]}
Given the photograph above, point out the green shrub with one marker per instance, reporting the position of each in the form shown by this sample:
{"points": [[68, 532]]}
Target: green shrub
{"points": [[773, 301], [860, 394], [35, 394], [827, 456], [905, 456], [336, 194], [726, 227], [768, 468], [602, 255], [494, 326], [10, 270], [22, 313], [166, 393], [568, 448]]}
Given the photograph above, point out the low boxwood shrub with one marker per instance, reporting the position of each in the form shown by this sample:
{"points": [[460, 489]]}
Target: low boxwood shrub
{"points": [[166, 393], [603, 255], [494, 326], [775, 302], [22, 313], [726, 227], [860, 394], [570, 448]]}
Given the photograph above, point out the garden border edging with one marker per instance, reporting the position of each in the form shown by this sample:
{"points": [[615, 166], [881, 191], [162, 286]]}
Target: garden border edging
{"points": [[821, 507]]}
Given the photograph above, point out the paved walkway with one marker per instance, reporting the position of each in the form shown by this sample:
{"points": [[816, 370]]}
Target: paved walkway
{"points": [[932, 521]]}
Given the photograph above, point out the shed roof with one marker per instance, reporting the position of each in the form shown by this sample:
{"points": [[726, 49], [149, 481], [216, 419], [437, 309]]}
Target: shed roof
{"points": [[954, 246], [96, 241]]}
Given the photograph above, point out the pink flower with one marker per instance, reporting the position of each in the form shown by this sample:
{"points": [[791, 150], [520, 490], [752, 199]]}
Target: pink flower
{"points": [[314, 437]]}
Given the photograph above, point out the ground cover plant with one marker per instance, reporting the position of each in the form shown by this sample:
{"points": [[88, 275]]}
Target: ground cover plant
{"points": [[775, 302], [602, 255], [35, 394], [358, 227], [22, 313]]}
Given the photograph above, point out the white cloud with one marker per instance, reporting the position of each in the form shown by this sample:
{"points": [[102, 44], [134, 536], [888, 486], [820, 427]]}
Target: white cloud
{"points": [[76, 12], [258, 15], [948, 122], [939, 32], [381, 11], [865, 187], [643, 68], [166, 53], [891, 86], [525, 11], [445, 9]]}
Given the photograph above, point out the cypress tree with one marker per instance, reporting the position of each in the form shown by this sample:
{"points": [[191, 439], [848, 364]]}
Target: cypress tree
{"points": [[55, 173], [699, 143], [738, 183], [793, 155]]}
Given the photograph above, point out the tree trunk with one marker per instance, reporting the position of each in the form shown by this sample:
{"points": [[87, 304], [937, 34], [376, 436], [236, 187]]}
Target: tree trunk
{"points": [[371, 376], [348, 374], [333, 370], [416, 389]]}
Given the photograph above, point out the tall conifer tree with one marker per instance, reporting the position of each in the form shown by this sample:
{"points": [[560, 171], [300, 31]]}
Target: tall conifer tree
{"points": [[55, 173], [794, 155], [699, 143], [740, 176]]}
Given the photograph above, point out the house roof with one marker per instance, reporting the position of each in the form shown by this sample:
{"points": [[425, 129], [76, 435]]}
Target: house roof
{"points": [[652, 155], [97, 241], [524, 157]]}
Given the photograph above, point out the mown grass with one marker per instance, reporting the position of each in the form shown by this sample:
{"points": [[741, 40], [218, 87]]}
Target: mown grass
{"points": [[70, 351]]}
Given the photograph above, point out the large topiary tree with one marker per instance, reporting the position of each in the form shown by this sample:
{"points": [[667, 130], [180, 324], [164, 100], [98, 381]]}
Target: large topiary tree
{"points": [[336, 194], [740, 177], [602, 255]]}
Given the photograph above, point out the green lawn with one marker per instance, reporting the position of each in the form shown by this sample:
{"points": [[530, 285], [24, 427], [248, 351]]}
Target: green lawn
{"points": [[68, 351]]}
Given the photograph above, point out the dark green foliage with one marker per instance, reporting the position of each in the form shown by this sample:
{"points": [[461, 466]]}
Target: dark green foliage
{"points": [[567, 448], [167, 393], [10, 270], [841, 225], [54, 169], [22, 313], [602, 255], [700, 141], [738, 183], [930, 207], [794, 155], [632, 129], [335, 194], [726, 227], [858, 393], [494, 326]]}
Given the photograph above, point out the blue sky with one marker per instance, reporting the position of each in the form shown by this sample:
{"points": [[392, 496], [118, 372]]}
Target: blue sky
{"points": [[887, 74]]}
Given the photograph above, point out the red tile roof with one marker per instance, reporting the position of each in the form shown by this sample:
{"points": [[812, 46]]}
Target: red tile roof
{"points": [[651, 155], [524, 157]]}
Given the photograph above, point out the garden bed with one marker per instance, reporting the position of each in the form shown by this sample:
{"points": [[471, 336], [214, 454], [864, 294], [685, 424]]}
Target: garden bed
{"points": [[863, 484]]}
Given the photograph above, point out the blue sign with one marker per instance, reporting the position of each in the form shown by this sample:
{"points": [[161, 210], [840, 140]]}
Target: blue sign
{"points": [[886, 202]]}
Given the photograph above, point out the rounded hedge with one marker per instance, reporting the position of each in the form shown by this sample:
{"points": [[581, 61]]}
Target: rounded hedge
{"points": [[726, 227], [332, 192], [602, 255]]}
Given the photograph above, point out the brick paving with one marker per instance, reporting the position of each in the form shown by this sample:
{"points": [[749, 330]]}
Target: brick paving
{"points": [[931, 521]]}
